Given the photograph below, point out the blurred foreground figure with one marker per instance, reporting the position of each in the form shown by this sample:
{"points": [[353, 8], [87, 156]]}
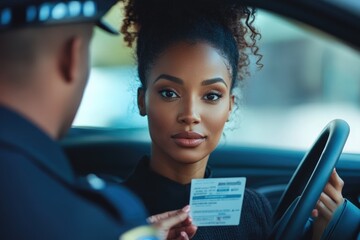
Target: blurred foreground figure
{"points": [[44, 59]]}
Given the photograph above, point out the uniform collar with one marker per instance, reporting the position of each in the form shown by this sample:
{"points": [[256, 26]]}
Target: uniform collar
{"points": [[18, 133]]}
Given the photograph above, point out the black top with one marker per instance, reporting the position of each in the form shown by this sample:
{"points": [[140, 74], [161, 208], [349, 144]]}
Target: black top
{"points": [[161, 194], [41, 198]]}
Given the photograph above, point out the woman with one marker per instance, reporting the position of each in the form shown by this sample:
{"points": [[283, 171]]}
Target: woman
{"points": [[191, 56]]}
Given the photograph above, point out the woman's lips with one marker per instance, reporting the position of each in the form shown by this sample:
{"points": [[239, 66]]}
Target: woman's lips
{"points": [[188, 139]]}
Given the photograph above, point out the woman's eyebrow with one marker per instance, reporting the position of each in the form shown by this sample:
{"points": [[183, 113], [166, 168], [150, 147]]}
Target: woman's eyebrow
{"points": [[212, 81], [181, 82], [170, 78]]}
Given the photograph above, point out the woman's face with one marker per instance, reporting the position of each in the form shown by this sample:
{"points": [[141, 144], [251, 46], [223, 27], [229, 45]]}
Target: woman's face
{"points": [[187, 101]]}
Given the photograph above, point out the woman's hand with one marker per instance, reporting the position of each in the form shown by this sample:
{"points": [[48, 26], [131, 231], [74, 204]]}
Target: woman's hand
{"points": [[174, 225], [330, 199]]}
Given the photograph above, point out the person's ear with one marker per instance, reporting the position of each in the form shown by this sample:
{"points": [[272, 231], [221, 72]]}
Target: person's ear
{"points": [[231, 106], [141, 101], [70, 60]]}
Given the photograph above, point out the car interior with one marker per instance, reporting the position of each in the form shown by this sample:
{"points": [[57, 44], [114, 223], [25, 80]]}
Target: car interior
{"points": [[310, 77]]}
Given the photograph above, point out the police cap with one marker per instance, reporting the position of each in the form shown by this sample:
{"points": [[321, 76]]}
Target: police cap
{"points": [[24, 13]]}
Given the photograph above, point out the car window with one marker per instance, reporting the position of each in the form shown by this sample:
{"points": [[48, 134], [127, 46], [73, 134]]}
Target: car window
{"points": [[308, 79]]}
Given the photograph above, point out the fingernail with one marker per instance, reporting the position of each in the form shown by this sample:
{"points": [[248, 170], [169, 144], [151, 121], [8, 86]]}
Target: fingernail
{"points": [[186, 208]]}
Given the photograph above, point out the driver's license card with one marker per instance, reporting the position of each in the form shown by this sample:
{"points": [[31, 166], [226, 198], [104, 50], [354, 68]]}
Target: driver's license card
{"points": [[216, 201]]}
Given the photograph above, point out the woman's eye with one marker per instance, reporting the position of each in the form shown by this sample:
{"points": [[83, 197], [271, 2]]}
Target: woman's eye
{"points": [[213, 97], [168, 94]]}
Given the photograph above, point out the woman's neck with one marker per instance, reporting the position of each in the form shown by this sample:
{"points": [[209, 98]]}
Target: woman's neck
{"points": [[175, 170]]}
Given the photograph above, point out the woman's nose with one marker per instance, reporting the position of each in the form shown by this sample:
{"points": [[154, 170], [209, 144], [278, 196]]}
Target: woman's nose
{"points": [[188, 113]]}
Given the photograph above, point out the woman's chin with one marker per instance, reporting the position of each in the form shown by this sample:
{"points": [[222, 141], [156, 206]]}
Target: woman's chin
{"points": [[190, 157]]}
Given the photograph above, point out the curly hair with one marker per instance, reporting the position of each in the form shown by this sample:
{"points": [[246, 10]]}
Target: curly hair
{"points": [[225, 24]]}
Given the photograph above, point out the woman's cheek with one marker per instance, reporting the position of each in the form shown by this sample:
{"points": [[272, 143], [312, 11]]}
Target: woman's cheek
{"points": [[217, 116], [160, 115]]}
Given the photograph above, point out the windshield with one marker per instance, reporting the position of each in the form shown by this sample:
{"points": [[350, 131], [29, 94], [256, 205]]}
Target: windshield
{"points": [[308, 79]]}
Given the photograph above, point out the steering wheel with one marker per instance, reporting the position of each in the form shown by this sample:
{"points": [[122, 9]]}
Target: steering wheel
{"points": [[308, 181]]}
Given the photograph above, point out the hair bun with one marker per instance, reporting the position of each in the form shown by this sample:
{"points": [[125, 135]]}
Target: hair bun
{"points": [[168, 15], [162, 11]]}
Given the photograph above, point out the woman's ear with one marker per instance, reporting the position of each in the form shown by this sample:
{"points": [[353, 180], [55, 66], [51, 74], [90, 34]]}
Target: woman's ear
{"points": [[231, 105], [141, 101]]}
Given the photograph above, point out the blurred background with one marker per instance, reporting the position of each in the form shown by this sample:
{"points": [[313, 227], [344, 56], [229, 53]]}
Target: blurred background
{"points": [[308, 79]]}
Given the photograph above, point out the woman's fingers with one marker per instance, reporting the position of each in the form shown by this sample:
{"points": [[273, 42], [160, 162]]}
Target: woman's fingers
{"points": [[323, 211], [315, 213], [336, 181], [331, 197], [328, 202], [333, 188]]}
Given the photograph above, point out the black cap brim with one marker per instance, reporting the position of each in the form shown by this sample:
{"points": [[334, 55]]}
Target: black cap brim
{"points": [[106, 27]]}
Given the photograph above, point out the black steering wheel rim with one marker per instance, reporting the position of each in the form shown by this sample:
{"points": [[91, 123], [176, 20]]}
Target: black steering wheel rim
{"points": [[308, 181]]}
